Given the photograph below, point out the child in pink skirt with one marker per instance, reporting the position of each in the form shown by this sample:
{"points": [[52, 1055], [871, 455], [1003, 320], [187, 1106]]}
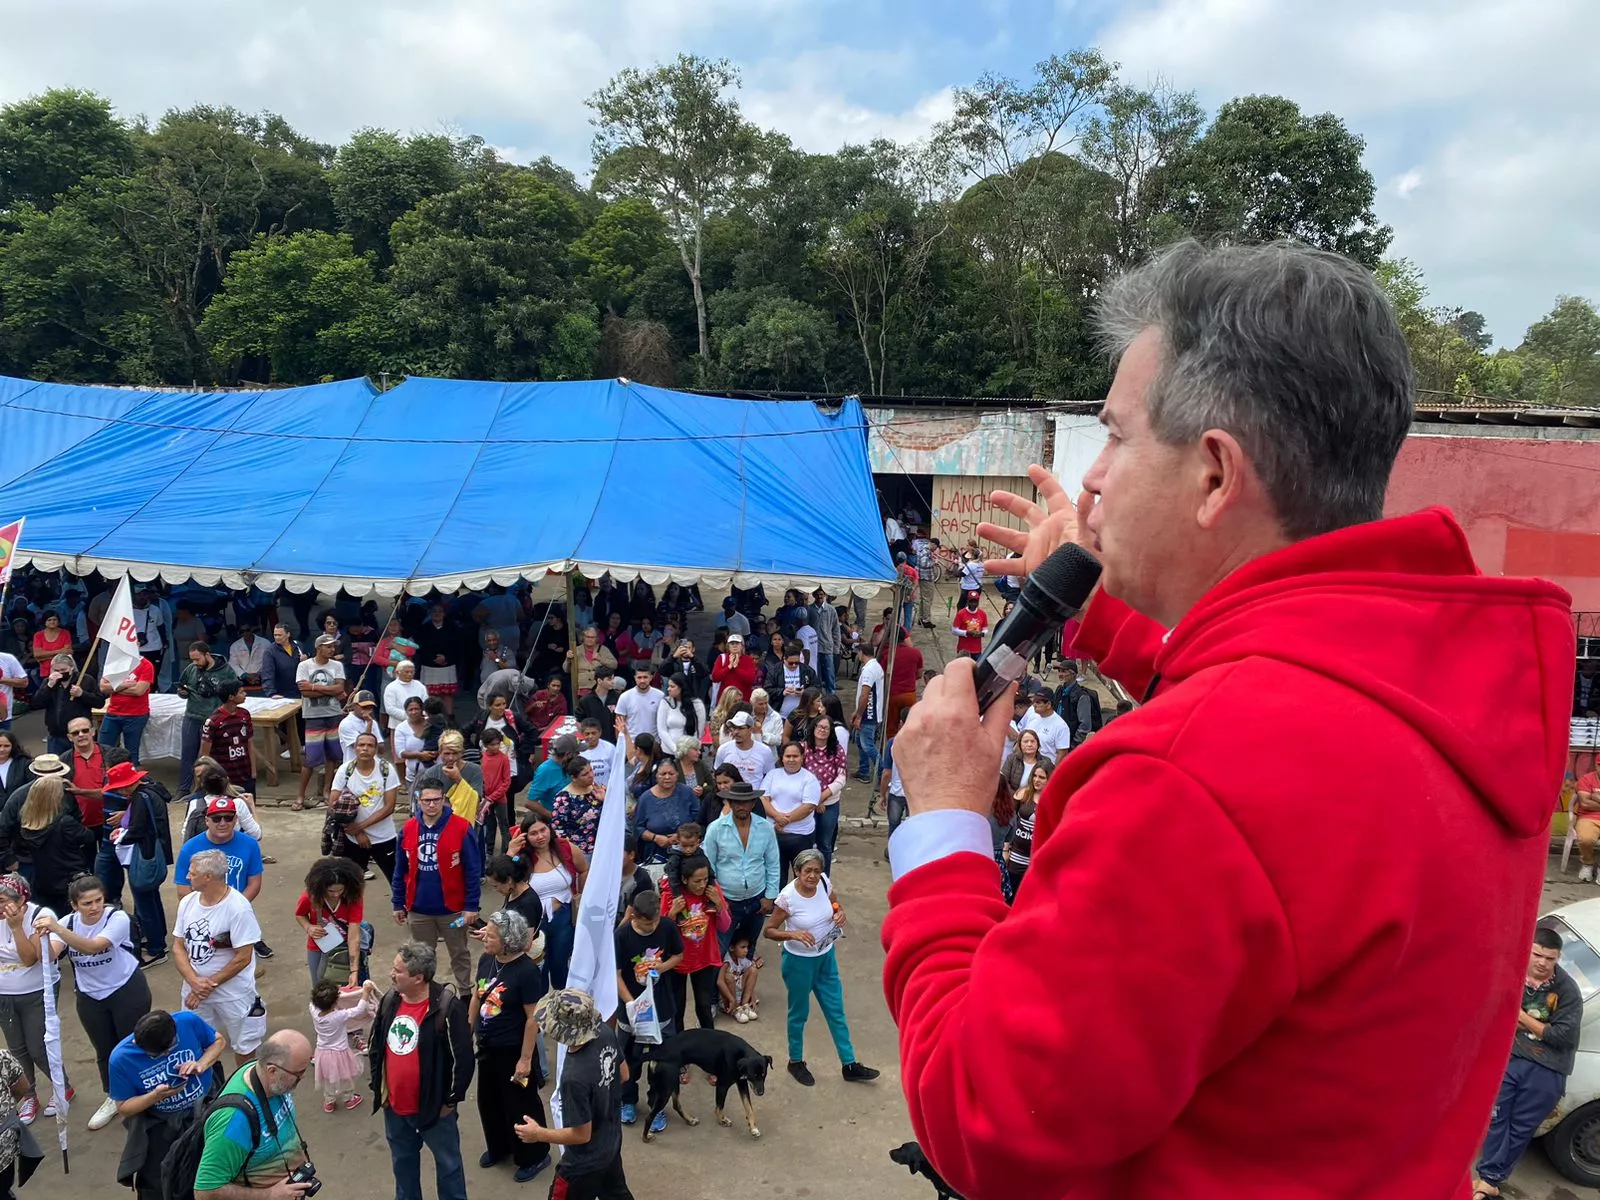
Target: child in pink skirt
{"points": [[333, 1013]]}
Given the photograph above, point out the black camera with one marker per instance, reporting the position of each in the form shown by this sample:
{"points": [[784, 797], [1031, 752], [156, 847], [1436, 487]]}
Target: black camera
{"points": [[306, 1172]]}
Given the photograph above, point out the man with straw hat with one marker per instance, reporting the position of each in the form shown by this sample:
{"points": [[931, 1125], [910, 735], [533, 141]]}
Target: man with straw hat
{"points": [[586, 1100]]}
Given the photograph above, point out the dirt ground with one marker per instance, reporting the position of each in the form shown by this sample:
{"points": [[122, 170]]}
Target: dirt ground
{"points": [[830, 1140]]}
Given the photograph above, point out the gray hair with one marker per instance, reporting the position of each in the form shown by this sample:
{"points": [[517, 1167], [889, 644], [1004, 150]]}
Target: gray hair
{"points": [[685, 744], [1296, 352], [64, 661], [404, 662], [418, 958], [209, 862], [512, 927], [806, 857]]}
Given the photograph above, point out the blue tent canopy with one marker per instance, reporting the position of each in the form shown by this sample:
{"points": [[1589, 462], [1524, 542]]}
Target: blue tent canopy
{"points": [[440, 483]]}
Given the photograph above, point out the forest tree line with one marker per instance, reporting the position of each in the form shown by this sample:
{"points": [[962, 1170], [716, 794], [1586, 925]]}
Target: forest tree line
{"points": [[222, 247]]}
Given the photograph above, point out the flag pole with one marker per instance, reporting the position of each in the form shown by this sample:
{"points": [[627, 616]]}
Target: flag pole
{"points": [[52, 1046]]}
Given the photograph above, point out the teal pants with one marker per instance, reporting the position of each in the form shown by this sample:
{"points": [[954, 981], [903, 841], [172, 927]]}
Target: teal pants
{"points": [[819, 976]]}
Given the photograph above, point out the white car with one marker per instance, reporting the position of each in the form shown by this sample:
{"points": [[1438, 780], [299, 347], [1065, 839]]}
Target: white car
{"points": [[1572, 1132]]}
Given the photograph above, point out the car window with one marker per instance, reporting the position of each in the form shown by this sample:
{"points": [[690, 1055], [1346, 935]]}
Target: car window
{"points": [[1578, 958]]}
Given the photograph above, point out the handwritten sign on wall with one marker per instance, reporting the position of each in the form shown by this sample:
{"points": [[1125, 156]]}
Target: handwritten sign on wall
{"points": [[960, 502]]}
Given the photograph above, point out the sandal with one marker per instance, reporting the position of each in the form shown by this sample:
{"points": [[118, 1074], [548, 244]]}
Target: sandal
{"points": [[1482, 1187], [298, 805]]}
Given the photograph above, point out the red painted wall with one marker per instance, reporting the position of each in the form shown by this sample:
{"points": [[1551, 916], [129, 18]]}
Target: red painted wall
{"points": [[1529, 507]]}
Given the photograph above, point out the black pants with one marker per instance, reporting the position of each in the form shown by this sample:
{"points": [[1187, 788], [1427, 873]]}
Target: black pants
{"points": [[502, 1103], [790, 844], [608, 1183], [705, 995], [381, 853], [110, 1020]]}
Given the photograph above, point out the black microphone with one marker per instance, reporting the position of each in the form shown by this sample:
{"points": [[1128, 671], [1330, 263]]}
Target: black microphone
{"points": [[1053, 592]]}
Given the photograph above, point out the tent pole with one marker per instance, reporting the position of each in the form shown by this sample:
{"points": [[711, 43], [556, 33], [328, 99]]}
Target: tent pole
{"points": [[572, 635], [892, 630]]}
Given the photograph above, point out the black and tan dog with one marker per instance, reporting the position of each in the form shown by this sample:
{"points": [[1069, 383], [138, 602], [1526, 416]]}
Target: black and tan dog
{"points": [[731, 1061]]}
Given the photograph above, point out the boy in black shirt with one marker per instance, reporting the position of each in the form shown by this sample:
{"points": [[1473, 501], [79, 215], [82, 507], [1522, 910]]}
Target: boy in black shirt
{"points": [[648, 948], [591, 1165]]}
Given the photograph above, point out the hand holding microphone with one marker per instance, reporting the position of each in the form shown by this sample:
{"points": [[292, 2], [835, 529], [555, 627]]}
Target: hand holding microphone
{"points": [[949, 750]]}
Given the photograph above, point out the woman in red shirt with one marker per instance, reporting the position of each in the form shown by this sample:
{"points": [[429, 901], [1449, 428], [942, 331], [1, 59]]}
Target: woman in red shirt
{"points": [[700, 913], [52, 639], [735, 668], [331, 901]]}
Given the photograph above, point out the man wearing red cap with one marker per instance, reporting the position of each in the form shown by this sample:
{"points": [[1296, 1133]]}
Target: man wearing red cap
{"points": [[222, 833]]}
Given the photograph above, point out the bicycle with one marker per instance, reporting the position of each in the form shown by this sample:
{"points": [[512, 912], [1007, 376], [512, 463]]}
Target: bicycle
{"points": [[942, 562]]}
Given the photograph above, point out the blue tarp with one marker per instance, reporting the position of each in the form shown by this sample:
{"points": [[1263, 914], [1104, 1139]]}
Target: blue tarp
{"points": [[439, 483]]}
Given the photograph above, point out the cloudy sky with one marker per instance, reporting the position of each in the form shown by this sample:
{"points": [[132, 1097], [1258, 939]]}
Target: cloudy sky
{"points": [[1479, 115]]}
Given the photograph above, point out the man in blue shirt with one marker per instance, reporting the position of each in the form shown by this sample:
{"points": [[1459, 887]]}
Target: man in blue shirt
{"points": [[245, 865], [158, 1075], [551, 775], [743, 851]]}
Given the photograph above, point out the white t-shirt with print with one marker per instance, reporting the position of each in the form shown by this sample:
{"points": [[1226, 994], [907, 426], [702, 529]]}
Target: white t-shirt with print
{"points": [[99, 974], [232, 923], [369, 788]]}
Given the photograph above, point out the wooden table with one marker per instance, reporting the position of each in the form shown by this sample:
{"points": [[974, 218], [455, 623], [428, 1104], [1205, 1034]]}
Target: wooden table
{"points": [[275, 723]]}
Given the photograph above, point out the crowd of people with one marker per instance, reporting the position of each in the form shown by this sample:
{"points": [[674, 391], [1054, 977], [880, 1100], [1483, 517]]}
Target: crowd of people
{"points": [[735, 762]]}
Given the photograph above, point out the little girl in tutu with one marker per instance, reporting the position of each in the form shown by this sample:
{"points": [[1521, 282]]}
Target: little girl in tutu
{"points": [[337, 1068]]}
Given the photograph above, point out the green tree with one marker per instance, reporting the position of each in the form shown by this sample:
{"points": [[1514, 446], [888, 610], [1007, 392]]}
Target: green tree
{"points": [[303, 307], [1265, 170], [1136, 138], [74, 305], [485, 276], [377, 177], [626, 240], [780, 344], [50, 142], [1562, 354], [675, 136]]}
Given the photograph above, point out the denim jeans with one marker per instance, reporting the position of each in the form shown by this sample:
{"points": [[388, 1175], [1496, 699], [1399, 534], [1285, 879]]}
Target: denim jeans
{"points": [[442, 1138], [558, 938], [152, 920], [827, 668], [192, 728], [897, 812], [107, 869], [129, 729], [828, 834], [745, 918], [908, 611], [867, 752], [58, 745]]}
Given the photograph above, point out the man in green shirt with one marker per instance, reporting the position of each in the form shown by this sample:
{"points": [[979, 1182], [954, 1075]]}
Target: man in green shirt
{"points": [[230, 1167], [205, 683]]}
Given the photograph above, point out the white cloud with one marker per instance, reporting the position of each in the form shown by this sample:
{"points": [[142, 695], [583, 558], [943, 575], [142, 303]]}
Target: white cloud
{"points": [[805, 97], [1479, 111]]}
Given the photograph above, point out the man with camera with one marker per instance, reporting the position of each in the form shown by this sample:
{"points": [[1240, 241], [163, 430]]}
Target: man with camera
{"points": [[205, 683], [275, 1165], [1345, 823]]}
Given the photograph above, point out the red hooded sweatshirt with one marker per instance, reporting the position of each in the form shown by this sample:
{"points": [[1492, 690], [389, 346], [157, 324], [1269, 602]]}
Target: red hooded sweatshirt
{"points": [[1273, 936]]}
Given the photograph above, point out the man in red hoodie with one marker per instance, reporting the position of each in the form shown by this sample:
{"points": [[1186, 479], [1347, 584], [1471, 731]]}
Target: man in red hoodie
{"points": [[1272, 934]]}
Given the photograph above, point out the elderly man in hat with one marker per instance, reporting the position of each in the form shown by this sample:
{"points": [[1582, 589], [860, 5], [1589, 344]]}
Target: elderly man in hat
{"points": [[587, 1098], [742, 848]]}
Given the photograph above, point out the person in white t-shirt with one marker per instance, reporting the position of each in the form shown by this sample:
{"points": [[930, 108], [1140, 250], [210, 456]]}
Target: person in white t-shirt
{"points": [[808, 919], [112, 993], [22, 989], [640, 703], [362, 718], [13, 675], [214, 947], [753, 758], [791, 795], [1055, 738], [375, 783]]}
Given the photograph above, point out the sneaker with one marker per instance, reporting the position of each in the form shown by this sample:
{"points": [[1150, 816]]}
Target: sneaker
{"points": [[1585, 874], [630, 1114], [28, 1110], [802, 1074], [263, 950], [327, 1106], [742, 1015], [154, 960], [752, 1012], [856, 1073], [486, 1159], [49, 1110], [353, 1103], [371, 874], [524, 1174], [103, 1115], [660, 1123]]}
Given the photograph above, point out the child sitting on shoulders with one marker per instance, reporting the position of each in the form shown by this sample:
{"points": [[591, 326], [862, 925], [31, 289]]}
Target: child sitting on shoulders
{"points": [[736, 982], [337, 1068], [690, 835]]}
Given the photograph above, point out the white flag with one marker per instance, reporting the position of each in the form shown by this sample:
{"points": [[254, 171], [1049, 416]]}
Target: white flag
{"points": [[593, 967], [121, 636], [52, 1045]]}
